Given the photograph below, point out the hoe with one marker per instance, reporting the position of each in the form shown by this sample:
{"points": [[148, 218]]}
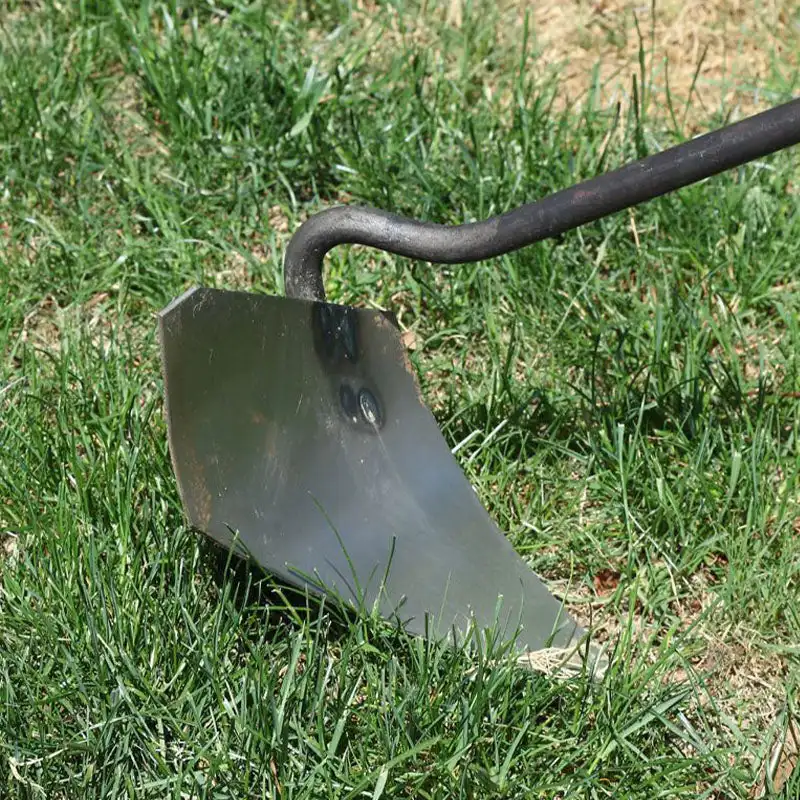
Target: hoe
{"points": [[299, 436]]}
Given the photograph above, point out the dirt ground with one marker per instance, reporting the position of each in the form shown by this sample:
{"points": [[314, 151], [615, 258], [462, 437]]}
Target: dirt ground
{"points": [[740, 55], [720, 52]]}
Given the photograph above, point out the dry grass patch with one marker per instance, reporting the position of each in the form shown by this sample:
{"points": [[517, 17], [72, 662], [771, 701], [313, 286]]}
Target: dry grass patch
{"points": [[711, 54], [705, 56]]}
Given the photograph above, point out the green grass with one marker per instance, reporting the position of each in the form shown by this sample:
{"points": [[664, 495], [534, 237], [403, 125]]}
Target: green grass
{"points": [[649, 383]]}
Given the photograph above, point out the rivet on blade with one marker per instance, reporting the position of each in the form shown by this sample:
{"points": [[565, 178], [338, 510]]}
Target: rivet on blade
{"points": [[370, 409], [349, 403], [346, 334]]}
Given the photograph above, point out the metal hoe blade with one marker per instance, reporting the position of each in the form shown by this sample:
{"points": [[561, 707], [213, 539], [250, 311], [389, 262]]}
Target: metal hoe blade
{"points": [[298, 426]]}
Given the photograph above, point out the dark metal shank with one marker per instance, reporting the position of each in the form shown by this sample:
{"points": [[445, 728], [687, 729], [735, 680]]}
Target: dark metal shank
{"points": [[591, 200]]}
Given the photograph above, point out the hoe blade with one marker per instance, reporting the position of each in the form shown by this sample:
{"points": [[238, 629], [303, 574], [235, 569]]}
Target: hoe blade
{"points": [[298, 426]]}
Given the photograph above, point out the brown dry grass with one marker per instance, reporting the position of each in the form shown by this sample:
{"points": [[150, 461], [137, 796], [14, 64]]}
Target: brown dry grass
{"points": [[731, 55], [718, 53]]}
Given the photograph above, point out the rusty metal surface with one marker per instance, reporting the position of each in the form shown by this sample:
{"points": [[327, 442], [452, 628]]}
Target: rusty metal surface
{"points": [[298, 425]]}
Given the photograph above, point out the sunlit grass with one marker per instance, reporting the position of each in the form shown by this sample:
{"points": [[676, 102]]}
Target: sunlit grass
{"points": [[645, 369]]}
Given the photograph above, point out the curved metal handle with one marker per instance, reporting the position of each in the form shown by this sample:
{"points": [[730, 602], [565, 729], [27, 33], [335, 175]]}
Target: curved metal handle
{"points": [[591, 200]]}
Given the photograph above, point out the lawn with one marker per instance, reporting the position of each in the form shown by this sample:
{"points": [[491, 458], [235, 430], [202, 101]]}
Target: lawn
{"points": [[627, 397]]}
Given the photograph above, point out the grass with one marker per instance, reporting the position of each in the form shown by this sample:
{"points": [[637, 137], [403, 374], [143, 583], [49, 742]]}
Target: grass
{"points": [[647, 367]]}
